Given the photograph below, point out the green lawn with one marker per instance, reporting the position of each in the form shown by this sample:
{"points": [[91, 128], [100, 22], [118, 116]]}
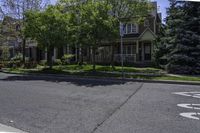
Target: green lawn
{"points": [[86, 70]]}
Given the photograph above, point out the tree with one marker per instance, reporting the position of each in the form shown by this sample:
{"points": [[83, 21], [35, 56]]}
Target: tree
{"points": [[97, 21], [185, 56], [49, 28], [17, 9], [161, 48], [181, 38]]}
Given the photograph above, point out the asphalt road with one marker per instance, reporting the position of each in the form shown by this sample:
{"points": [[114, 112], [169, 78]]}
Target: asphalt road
{"points": [[52, 105]]}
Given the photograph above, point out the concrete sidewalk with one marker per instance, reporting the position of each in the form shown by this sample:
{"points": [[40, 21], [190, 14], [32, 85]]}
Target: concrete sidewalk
{"points": [[8, 129]]}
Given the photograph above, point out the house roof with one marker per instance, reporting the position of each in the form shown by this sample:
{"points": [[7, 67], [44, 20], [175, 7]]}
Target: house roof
{"points": [[147, 35]]}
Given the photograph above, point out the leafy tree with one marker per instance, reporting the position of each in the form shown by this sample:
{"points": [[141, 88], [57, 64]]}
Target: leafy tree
{"points": [[49, 28]]}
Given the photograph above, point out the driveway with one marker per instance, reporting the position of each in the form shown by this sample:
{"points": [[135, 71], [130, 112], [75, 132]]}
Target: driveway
{"points": [[38, 104]]}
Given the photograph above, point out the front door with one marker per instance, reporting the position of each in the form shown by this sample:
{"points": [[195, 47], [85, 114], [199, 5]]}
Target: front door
{"points": [[147, 51]]}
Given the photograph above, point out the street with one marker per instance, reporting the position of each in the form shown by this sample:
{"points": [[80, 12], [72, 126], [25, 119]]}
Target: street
{"points": [[72, 105]]}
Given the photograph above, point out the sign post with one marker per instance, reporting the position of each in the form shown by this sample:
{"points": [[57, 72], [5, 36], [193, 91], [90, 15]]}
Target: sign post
{"points": [[122, 55]]}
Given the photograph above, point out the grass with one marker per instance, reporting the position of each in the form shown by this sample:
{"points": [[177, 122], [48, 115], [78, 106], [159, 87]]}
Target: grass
{"points": [[86, 70]]}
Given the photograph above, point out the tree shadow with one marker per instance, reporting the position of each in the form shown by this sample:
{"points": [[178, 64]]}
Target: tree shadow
{"points": [[79, 81]]}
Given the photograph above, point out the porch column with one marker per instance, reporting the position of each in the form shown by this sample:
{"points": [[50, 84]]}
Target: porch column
{"points": [[64, 50], [152, 50], [137, 51], [55, 52], [45, 53], [142, 46], [68, 51]]}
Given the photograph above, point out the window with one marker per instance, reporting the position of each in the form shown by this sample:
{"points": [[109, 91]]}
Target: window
{"points": [[134, 49], [129, 49], [130, 28], [146, 23], [134, 28]]}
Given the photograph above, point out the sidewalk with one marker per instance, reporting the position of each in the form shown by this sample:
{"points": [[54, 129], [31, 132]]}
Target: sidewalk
{"points": [[8, 129]]}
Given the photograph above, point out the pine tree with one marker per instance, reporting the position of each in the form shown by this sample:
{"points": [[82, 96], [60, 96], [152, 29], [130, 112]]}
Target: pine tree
{"points": [[166, 40], [184, 56]]}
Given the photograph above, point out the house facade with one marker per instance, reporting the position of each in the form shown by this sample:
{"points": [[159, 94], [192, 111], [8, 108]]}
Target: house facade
{"points": [[138, 42]]}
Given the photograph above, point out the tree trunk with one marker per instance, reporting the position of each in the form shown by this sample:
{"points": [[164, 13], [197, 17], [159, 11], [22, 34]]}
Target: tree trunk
{"points": [[93, 58], [23, 50], [80, 56], [49, 57]]}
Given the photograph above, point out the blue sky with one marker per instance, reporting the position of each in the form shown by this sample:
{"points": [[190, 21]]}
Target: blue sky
{"points": [[163, 4]]}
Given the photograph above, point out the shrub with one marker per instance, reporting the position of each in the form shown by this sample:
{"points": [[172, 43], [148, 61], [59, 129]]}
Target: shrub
{"points": [[17, 57], [30, 64], [43, 62], [66, 58], [57, 62]]}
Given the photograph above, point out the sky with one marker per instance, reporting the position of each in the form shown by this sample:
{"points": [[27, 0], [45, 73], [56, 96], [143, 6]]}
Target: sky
{"points": [[162, 4]]}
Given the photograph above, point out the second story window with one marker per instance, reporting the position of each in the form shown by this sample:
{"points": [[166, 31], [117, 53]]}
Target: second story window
{"points": [[131, 29], [146, 23]]}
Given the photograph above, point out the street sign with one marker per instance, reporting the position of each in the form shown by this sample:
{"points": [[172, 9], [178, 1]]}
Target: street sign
{"points": [[122, 29]]}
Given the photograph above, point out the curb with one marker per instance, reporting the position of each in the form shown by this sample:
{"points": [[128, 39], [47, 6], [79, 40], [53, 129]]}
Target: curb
{"points": [[63, 77]]}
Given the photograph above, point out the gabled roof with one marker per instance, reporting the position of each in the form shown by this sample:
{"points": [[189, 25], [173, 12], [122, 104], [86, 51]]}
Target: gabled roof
{"points": [[147, 35]]}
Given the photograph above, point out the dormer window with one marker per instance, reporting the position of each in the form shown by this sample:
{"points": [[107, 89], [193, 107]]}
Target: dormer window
{"points": [[131, 28], [146, 23]]}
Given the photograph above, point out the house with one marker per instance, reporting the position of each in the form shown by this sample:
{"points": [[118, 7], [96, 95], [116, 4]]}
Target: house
{"points": [[10, 37], [138, 42]]}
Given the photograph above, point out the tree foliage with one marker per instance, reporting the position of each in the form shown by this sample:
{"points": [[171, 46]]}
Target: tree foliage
{"points": [[182, 38], [49, 28]]}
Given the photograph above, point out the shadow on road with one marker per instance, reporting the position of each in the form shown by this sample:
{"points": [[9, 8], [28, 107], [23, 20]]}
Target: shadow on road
{"points": [[89, 82]]}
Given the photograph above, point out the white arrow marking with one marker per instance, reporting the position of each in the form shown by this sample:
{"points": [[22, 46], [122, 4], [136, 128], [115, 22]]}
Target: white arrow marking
{"points": [[190, 115], [195, 94], [189, 106]]}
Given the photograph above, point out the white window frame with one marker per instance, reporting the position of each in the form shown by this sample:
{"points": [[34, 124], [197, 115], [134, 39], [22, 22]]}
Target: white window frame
{"points": [[131, 31], [146, 23]]}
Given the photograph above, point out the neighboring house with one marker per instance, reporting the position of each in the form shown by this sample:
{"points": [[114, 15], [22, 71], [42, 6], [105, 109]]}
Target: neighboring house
{"points": [[10, 37]]}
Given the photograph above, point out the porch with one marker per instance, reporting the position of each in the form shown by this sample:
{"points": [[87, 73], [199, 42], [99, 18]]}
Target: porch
{"points": [[133, 52]]}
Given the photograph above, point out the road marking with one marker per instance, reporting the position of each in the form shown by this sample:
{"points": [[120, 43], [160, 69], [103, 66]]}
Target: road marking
{"points": [[191, 115], [195, 94], [8, 129], [189, 106]]}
